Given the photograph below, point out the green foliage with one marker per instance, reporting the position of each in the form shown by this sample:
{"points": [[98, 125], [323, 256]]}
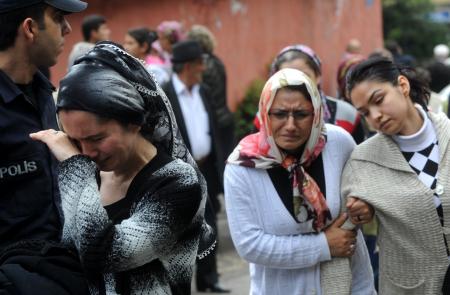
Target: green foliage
{"points": [[406, 22], [245, 114]]}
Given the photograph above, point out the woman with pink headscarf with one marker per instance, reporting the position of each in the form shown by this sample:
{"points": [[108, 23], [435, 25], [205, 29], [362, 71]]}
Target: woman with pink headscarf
{"points": [[169, 33]]}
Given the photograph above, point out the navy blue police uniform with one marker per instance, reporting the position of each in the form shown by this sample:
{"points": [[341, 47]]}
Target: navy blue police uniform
{"points": [[29, 194], [31, 257], [32, 261]]}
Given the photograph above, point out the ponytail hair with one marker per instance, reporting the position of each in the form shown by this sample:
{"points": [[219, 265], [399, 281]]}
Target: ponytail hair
{"points": [[381, 69]]}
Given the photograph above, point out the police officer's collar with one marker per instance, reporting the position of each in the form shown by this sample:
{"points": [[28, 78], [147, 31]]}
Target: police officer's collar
{"points": [[9, 90]]}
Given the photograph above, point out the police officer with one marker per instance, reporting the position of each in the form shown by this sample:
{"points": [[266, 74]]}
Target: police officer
{"points": [[31, 36]]}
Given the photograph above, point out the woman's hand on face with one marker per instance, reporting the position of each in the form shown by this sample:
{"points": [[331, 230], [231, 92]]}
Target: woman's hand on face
{"points": [[360, 212], [58, 142], [342, 242]]}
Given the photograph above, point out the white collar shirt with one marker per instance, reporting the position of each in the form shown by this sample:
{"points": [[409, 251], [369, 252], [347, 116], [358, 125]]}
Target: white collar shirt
{"points": [[195, 118]]}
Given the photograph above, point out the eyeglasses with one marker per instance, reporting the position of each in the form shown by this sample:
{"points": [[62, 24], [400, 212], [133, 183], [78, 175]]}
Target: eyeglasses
{"points": [[282, 115]]}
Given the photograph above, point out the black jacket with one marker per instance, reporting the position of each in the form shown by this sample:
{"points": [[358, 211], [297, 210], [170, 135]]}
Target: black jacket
{"points": [[213, 168]]}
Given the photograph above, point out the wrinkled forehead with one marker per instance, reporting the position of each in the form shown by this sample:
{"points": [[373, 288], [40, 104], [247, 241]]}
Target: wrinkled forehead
{"points": [[292, 98]]}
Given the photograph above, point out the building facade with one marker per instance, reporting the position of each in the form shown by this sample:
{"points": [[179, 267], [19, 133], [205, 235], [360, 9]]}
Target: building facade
{"points": [[249, 32]]}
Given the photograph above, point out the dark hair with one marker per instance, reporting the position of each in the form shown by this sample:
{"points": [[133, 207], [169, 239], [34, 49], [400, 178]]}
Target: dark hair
{"points": [[291, 55], [300, 88], [91, 23], [11, 20], [381, 69], [143, 35], [424, 75]]}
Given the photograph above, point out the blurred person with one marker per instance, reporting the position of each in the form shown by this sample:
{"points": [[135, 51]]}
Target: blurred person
{"points": [[436, 103], [215, 77], [283, 202], [155, 55], [94, 29], [198, 126], [439, 71], [338, 112], [31, 257], [138, 42], [170, 32], [133, 198], [398, 55], [381, 52], [401, 176], [344, 67], [445, 95], [353, 48]]}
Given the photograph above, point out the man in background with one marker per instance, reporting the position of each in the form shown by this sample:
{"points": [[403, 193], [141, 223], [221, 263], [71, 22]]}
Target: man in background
{"points": [[198, 126], [215, 77], [94, 29]]}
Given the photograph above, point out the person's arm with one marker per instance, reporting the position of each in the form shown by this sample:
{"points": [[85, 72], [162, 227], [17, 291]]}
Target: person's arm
{"points": [[151, 232], [362, 274], [360, 212], [257, 246]]}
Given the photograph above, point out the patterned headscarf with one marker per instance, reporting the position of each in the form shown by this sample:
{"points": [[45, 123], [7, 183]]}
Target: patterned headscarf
{"points": [[300, 48], [259, 150], [111, 83], [173, 30]]}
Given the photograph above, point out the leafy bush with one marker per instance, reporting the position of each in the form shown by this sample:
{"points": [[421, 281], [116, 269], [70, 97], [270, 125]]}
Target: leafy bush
{"points": [[245, 114], [407, 22]]}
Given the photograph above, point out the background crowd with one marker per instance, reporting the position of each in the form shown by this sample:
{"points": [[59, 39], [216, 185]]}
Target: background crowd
{"points": [[123, 190]]}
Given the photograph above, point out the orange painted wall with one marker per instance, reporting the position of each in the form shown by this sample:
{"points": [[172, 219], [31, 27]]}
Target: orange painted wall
{"points": [[249, 32]]}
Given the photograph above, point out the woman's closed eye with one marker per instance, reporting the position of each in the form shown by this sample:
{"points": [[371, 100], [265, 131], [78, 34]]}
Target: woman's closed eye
{"points": [[379, 99], [363, 113], [95, 138]]}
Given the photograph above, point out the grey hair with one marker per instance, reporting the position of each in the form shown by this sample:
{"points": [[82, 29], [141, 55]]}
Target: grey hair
{"points": [[204, 36]]}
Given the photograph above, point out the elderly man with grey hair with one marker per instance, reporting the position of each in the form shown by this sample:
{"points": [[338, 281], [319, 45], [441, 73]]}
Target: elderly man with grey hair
{"points": [[215, 77]]}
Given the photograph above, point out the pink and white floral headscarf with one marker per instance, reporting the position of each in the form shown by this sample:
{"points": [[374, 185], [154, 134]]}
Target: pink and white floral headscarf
{"points": [[260, 151]]}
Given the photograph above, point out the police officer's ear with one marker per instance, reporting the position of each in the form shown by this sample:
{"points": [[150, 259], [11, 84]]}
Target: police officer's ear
{"points": [[29, 28]]}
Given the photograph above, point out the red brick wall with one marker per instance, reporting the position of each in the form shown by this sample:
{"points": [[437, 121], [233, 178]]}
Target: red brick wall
{"points": [[249, 32]]}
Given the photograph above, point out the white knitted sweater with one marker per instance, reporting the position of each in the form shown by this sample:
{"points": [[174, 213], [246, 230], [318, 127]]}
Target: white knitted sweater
{"points": [[284, 260]]}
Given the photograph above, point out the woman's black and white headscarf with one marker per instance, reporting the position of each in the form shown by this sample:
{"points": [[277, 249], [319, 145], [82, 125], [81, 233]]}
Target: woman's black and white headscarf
{"points": [[111, 83]]}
